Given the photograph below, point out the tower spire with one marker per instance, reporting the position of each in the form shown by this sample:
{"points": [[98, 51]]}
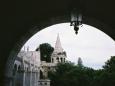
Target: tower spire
{"points": [[58, 47]]}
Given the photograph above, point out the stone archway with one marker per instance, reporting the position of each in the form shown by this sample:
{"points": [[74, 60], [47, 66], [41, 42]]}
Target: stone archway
{"points": [[42, 25]]}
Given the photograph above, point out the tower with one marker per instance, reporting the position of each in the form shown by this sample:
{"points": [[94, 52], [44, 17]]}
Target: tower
{"points": [[58, 55]]}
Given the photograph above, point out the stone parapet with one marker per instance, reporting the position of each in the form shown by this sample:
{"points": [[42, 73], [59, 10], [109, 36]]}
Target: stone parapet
{"points": [[44, 82]]}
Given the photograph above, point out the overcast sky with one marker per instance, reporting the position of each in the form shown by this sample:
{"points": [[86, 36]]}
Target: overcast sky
{"points": [[92, 45]]}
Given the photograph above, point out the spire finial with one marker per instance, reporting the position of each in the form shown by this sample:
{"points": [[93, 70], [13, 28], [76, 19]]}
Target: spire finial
{"points": [[58, 47]]}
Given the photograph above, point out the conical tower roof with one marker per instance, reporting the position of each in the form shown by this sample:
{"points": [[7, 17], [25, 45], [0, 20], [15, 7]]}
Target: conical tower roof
{"points": [[58, 47]]}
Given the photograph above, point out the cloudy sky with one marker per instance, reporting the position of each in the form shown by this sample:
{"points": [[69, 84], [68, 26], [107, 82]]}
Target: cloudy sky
{"points": [[92, 45]]}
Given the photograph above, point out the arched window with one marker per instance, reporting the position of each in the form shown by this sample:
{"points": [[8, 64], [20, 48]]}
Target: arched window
{"points": [[19, 68], [40, 83], [57, 59], [15, 69], [45, 83], [64, 59], [61, 59], [52, 60], [27, 69], [15, 66], [41, 75]]}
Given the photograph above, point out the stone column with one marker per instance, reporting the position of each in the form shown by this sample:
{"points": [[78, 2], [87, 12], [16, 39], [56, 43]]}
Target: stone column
{"points": [[29, 78], [30, 73], [22, 74], [33, 78], [21, 78], [24, 78]]}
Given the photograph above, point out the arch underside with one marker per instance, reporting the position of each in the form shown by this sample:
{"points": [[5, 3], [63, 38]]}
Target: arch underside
{"points": [[51, 21]]}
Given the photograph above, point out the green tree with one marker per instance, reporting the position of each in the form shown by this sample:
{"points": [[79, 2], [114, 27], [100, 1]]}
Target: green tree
{"points": [[68, 74], [80, 64], [105, 76], [110, 65], [108, 75], [45, 52]]}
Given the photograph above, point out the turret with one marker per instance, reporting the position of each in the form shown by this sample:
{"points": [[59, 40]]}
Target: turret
{"points": [[58, 54]]}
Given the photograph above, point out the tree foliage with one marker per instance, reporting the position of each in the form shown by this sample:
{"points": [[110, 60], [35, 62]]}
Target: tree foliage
{"points": [[45, 52], [80, 64], [110, 64], [68, 74]]}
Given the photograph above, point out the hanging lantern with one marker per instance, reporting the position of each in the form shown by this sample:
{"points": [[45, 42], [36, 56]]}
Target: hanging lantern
{"points": [[76, 20]]}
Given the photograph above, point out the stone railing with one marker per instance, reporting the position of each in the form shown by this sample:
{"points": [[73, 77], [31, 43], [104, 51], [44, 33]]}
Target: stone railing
{"points": [[44, 82]]}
